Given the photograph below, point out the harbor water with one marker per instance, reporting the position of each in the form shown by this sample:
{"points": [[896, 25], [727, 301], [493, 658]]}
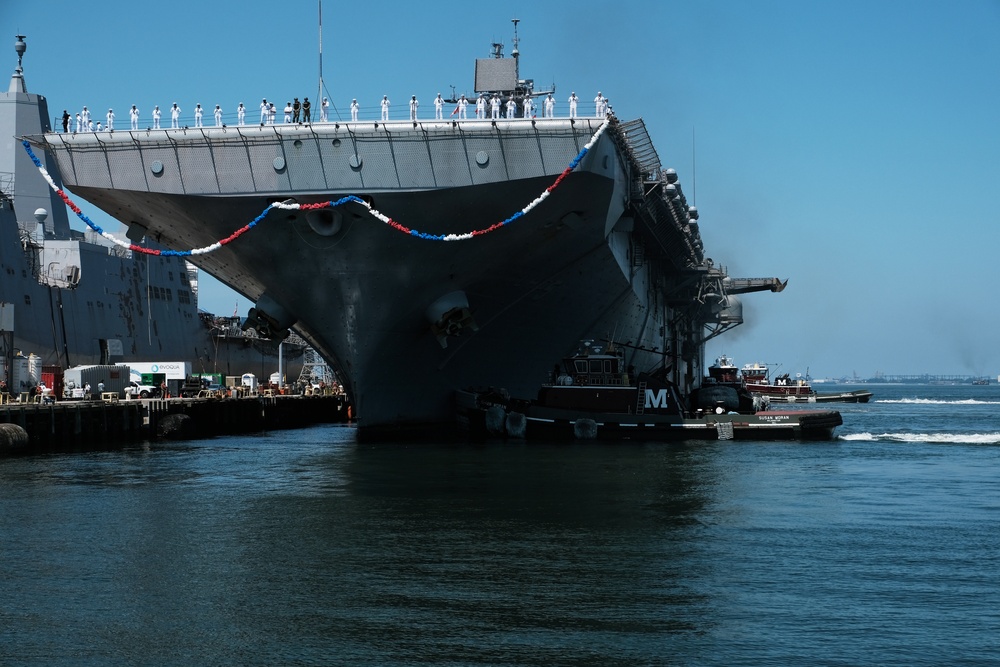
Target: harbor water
{"points": [[305, 547]]}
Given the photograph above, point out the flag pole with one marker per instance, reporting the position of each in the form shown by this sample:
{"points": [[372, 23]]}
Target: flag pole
{"points": [[319, 97]]}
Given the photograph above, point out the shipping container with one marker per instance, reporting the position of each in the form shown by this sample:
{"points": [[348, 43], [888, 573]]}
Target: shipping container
{"points": [[114, 377]]}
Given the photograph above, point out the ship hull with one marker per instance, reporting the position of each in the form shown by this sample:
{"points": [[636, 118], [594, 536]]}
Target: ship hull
{"points": [[368, 297], [362, 299]]}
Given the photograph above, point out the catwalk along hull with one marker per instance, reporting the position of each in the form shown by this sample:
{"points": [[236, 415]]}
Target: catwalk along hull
{"points": [[408, 320], [72, 298]]}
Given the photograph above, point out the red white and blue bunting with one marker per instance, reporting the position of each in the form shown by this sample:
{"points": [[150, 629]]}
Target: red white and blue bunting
{"points": [[321, 205]]}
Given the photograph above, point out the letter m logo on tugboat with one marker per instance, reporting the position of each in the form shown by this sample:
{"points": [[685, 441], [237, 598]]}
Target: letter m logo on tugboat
{"points": [[657, 399], [657, 395]]}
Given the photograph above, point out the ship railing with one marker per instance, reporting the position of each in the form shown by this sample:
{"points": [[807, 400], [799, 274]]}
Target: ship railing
{"points": [[639, 146], [187, 130], [366, 114]]}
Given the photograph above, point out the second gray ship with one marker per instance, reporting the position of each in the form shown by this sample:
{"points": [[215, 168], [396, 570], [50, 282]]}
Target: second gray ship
{"points": [[73, 298]]}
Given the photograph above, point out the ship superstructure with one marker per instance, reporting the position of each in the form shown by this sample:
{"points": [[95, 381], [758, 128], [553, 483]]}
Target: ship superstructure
{"points": [[73, 298], [416, 256]]}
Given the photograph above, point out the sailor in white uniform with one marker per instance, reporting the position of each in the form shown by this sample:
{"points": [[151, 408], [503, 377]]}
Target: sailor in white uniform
{"points": [[111, 119], [198, 111], [529, 107], [288, 112], [156, 118], [438, 107], [85, 115], [599, 105], [549, 107], [175, 116], [463, 104], [413, 107], [79, 124], [385, 107], [573, 99], [265, 110], [481, 107], [354, 108], [495, 107], [324, 110], [511, 108], [241, 114], [134, 116], [218, 116]]}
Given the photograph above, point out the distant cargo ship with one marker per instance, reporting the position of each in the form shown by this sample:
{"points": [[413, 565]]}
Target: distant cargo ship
{"points": [[415, 254], [72, 298]]}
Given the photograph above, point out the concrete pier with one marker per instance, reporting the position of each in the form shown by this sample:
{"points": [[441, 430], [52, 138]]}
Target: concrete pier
{"points": [[69, 425]]}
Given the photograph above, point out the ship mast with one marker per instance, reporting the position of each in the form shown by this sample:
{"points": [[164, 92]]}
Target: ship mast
{"points": [[516, 54]]}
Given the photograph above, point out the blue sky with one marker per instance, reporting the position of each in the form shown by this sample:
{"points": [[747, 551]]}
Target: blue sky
{"points": [[851, 147]]}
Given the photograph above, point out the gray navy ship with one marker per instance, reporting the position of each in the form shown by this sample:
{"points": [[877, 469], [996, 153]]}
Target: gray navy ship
{"points": [[73, 298], [440, 254]]}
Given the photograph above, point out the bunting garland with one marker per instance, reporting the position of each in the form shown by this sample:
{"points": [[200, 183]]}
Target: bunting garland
{"points": [[321, 205]]}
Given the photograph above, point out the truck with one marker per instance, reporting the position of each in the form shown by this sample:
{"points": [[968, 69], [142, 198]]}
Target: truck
{"points": [[193, 384], [139, 390]]}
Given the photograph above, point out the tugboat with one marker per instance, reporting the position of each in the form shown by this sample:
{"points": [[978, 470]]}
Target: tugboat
{"points": [[593, 395], [755, 378]]}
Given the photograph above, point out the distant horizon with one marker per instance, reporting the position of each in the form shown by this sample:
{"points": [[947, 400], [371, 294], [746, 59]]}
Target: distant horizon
{"points": [[896, 379]]}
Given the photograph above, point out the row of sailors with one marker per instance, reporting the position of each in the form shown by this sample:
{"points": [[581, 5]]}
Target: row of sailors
{"points": [[268, 111], [84, 123], [601, 107]]}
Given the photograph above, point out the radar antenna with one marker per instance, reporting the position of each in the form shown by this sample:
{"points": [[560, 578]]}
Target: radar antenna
{"points": [[20, 47]]}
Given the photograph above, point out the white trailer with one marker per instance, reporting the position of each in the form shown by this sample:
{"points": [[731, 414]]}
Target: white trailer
{"points": [[174, 370]]}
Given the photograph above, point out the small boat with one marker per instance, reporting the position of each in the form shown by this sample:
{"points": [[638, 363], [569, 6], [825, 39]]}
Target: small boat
{"points": [[593, 395], [755, 378], [981, 381]]}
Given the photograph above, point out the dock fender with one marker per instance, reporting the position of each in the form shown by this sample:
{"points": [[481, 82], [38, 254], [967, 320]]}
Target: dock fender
{"points": [[13, 438], [176, 426], [496, 419], [710, 397], [516, 424], [585, 429]]}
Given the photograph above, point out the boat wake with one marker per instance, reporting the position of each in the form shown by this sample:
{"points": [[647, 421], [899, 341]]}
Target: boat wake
{"points": [[937, 401], [933, 438]]}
